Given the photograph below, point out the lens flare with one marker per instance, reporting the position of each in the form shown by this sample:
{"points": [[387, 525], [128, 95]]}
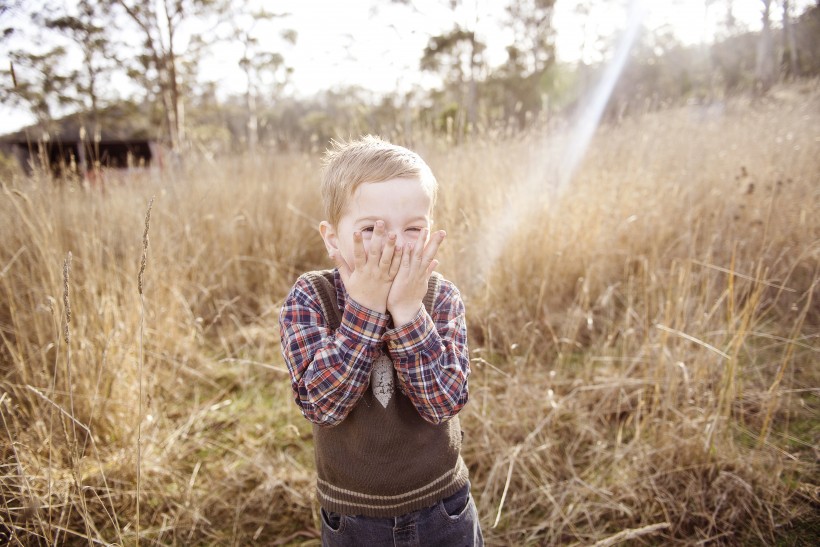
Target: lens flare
{"points": [[553, 170]]}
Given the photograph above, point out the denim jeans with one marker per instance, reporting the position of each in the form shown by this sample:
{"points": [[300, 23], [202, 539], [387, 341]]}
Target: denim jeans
{"points": [[452, 522]]}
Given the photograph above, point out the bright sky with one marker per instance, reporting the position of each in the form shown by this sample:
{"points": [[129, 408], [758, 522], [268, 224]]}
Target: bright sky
{"points": [[377, 44]]}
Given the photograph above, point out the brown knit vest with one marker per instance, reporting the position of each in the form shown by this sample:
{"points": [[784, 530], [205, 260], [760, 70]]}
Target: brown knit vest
{"points": [[384, 462]]}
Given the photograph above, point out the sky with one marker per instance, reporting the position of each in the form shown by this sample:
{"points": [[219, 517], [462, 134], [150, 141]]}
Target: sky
{"points": [[377, 44]]}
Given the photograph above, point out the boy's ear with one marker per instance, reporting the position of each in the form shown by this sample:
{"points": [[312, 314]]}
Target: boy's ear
{"points": [[329, 236]]}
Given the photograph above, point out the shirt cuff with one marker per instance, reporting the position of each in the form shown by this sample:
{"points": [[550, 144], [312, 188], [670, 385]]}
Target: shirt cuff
{"points": [[411, 337], [362, 324]]}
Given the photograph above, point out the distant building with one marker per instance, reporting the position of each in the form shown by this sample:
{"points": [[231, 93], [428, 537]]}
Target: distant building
{"points": [[73, 145]]}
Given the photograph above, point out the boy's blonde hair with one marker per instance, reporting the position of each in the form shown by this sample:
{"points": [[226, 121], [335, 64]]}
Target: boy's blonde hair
{"points": [[347, 165]]}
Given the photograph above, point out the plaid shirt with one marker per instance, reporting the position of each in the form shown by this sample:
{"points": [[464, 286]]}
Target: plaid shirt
{"points": [[330, 370]]}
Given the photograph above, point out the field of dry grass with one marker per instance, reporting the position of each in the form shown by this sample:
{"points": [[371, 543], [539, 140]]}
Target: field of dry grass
{"points": [[644, 346]]}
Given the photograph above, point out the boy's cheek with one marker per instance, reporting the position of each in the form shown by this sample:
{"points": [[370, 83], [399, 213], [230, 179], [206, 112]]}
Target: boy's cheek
{"points": [[414, 239]]}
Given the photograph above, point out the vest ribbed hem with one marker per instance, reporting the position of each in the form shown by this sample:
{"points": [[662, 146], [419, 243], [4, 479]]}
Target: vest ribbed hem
{"points": [[348, 502]]}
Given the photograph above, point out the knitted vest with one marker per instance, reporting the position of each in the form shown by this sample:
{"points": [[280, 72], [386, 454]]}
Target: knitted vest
{"points": [[384, 461]]}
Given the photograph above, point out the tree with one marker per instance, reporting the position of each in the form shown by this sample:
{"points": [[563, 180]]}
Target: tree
{"points": [[160, 24], [534, 36], [88, 31], [456, 56], [37, 83], [764, 64], [530, 57], [7, 7], [262, 68], [659, 70], [789, 42], [807, 40], [34, 78]]}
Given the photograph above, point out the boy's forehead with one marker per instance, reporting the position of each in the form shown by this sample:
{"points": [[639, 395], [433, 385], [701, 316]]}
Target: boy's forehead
{"points": [[392, 196], [406, 187]]}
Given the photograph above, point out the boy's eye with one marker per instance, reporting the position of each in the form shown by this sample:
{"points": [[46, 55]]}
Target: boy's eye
{"points": [[367, 229]]}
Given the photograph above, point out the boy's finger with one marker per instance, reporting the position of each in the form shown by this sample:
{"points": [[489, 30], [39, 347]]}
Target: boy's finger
{"points": [[433, 265], [377, 240], [387, 252], [397, 259], [359, 258], [432, 247], [407, 252], [420, 243]]}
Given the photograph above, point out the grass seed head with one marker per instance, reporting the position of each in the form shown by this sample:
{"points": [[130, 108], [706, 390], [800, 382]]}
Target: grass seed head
{"points": [[145, 245], [66, 299]]}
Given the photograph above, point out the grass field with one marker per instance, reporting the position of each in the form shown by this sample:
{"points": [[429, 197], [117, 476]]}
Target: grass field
{"points": [[644, 347]]}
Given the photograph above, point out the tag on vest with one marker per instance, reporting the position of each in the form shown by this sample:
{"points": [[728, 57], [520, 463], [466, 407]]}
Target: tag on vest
{"points": [[381, 379]]}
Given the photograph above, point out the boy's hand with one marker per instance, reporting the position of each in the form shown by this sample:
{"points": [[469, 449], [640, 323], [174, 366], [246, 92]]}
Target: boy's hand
{"points": [[369, 279], [410, 284]]}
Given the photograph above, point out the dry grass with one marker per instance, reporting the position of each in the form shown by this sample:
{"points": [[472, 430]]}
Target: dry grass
{"points": [[644, 348]]}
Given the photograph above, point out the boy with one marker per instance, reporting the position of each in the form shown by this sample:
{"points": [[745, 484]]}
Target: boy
{"points": [[377, 353]]}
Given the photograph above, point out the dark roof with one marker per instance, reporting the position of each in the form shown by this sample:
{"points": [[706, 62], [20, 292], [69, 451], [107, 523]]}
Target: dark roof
{"points": [[118, 123]]}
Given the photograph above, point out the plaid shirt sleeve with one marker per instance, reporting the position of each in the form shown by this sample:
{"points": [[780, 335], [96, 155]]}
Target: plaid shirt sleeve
{"points": [[431, 358], [329, 370]]}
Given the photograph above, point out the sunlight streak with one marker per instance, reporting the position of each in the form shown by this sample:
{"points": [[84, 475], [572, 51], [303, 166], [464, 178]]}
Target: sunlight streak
{"points": [[553, 172]]}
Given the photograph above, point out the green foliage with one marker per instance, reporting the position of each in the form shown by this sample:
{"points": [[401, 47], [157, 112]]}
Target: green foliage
{"points": [[87, 30], [7, 8], [534, 45], [37, 82], [807, 31], [453, 54]]}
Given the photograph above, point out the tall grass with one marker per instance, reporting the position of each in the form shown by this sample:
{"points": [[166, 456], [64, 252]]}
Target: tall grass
{"points": [[644, 349]]}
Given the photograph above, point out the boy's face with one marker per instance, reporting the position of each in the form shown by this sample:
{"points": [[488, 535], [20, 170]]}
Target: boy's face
{"points": [[402, 204]]}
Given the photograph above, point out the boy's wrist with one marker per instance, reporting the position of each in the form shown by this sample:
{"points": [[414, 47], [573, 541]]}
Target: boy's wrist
{"points": [[376, 305], [403, 315], [368, 306]]}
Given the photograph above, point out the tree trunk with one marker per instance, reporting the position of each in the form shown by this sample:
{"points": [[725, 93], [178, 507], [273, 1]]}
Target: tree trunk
{"points": [[149, 24], [789, 42], [764, 66], [253, 118], [472, 90], [173, 84]]}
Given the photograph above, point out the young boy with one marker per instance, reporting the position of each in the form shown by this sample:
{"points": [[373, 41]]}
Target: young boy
{"points": [[377, 353]]}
